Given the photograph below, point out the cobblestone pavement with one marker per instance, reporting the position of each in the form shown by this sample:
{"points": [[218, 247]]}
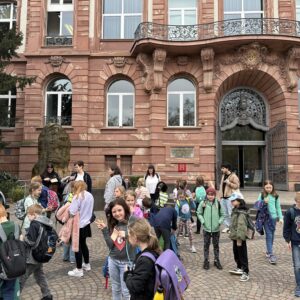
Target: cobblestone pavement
{"points": [[266, 282]]}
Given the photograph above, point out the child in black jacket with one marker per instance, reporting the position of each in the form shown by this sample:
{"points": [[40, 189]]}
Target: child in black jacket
{"points": [[140, 280]]}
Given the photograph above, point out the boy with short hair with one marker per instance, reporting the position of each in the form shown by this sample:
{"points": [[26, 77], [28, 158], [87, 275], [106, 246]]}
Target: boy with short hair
{"points": [[291, 234], [34, 213]]}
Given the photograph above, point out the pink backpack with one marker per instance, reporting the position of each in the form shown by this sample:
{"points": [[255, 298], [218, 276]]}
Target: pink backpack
{"points": [[171, 275], [53, 201]]}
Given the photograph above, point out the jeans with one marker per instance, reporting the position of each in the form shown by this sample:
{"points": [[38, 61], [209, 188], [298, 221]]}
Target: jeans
{"points": [[69, 254], [166, 234], [227, 207], [215, 237], [39, 276], [269, 236], [296, 263], [240, 254], [8, 289], [116, 271]]}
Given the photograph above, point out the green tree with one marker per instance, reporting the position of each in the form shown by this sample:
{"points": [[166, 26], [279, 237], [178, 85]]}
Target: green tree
{"points": [[10, 40]]}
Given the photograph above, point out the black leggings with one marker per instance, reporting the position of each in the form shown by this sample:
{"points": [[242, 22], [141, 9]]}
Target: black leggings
{"points": [[83, 248]]}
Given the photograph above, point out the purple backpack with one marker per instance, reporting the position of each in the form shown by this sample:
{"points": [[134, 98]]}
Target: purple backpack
{"points": [[170, 275]]}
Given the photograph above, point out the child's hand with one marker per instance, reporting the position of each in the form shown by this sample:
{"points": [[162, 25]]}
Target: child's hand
{"points": [[100, 224], [266, 199], [280, 221], [289, 245], [122, 234]]}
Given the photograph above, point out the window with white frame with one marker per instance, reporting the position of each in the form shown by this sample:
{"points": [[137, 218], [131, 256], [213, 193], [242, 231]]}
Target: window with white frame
{"points": [[240, 11], [298, 10], [60, 19], [8, 13], [121, 18], [8, 108], [182, 12], [58, 104], [120, 104], [181, 103]]}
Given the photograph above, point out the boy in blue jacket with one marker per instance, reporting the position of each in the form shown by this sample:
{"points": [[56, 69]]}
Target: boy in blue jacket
{"points": [[291, 234], [184, 205]]}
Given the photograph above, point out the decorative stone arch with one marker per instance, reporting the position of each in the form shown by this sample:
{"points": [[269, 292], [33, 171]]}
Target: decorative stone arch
{"points": [[243, 106], [111, 79]]}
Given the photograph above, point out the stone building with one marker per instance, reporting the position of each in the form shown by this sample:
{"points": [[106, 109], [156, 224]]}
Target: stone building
{"points": [[181, 84]]}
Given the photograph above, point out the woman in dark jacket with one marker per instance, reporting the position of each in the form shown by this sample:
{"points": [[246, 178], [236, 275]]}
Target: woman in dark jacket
{"points": [[50, 178], [140, 280]]}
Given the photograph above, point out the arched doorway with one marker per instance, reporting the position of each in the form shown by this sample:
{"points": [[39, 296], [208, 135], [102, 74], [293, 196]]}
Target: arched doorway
{"points": [[241, 138]]}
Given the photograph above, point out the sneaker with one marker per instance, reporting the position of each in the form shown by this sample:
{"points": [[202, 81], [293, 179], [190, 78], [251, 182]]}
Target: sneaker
{"points": [[297, 291], [267, 255], [194, 224], [197, 232], [193, 249], [49, 297], [86, 267], [206, 265], [180, 234], [236, 271], [72, 262], [244, 277], [186, 236], [225, 230], [76, 273], [218, 265], [272, 259]]}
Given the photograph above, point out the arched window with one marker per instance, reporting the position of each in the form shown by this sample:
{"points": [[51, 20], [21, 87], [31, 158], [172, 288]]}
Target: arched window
{"points": [[181, 103], [120, 104], [59, 102], [8, 108]]}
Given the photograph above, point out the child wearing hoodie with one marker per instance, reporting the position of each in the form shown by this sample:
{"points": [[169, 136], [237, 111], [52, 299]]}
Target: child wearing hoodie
{"points": [[211, 216], [36, 218], [238, 235], [291, 234]]}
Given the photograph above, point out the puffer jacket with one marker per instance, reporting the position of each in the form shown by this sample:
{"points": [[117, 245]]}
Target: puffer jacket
{"points": [[238, 227]]}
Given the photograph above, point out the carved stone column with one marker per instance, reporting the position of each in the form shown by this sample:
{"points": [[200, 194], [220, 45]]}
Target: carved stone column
{"points": [[207, 58]]}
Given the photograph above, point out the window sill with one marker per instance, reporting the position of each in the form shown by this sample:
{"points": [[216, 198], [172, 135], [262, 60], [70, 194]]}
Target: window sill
{"points": [[183, 128], [3, 129], [121, 129]]}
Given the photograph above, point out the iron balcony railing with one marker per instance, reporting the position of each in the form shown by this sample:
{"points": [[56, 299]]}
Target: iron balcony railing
{"points": [[55, 41], [227, 28]]}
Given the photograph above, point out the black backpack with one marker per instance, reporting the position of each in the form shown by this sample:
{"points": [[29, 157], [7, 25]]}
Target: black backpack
{"points": [[12, 255], [45, 245]]}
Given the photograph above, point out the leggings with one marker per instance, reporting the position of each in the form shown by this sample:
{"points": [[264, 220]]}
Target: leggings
{"points": [[83, 249]]}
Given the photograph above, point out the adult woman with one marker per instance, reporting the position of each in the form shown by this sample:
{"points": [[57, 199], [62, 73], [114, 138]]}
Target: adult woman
{"points": [[151, 181], [50, 178], [114, 181], [35, 190], [82, 203]]}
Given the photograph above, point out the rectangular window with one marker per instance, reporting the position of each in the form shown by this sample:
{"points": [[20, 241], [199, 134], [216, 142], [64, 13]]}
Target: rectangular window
{"points": [[59, 22], [126, 164], [298, 10], [121, 18], [110, 160], [7, 16], [8, 109]]}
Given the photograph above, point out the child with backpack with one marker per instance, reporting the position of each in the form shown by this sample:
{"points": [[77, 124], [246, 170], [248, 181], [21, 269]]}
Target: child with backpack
{"points": [[184, 205], [199, 194], [130, 199], [291, 234], [211, 215], [161, 190], [121, 253], [270, 199], [39, 249], [140, 280], [238, 235]]}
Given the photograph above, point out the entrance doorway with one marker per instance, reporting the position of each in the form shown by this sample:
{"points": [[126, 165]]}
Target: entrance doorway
{"points": [[246, 162]]}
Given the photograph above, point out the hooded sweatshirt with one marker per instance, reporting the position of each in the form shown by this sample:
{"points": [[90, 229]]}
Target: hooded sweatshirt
{"points": [[238, 227], [33, 233], [110, 187], [291, 227]]}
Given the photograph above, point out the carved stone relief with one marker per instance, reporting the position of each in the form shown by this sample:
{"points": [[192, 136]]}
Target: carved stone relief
{"points": [[207, 58], [56, 61], [119, 61]]}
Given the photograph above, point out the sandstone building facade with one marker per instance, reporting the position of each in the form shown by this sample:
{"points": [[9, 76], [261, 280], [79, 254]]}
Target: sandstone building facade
{"points": [[180, 84]]}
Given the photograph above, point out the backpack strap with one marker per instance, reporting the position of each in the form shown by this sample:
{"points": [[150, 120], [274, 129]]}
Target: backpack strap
{"points": [[17, 232], [149, 255], [292, 212], [41, 229], [3, 236]]}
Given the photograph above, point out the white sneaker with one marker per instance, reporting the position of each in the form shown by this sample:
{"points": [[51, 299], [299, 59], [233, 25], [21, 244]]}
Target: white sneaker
{"points": [[193, 249], [225, 230], [244, 277], [236, 271], [76, 273], [86, 267]]}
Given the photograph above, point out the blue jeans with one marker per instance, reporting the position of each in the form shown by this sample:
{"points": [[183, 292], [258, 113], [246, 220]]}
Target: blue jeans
{"points": [[116, 270], [270, 233], [296, 263], [8, 289], [227, 208], [68, 253]]}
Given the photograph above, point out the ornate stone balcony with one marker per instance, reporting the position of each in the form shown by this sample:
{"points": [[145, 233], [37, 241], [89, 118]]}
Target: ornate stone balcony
{"points": [[58, 41], [236, 27]]}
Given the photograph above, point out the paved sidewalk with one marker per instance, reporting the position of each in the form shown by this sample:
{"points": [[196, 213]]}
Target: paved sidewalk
{"points": [[267, 281]]}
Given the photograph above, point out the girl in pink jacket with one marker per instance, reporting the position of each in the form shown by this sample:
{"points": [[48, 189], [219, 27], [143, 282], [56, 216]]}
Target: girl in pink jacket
{"points": [[130, 198]]}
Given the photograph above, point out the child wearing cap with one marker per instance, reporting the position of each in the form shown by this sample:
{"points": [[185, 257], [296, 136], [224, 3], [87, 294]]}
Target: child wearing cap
{"points": [[238, 235], [291, 234], [211, 216]]}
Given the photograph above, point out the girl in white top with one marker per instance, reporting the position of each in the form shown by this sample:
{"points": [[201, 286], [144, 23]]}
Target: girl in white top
{"points": [[151, 181], [35, 190]]}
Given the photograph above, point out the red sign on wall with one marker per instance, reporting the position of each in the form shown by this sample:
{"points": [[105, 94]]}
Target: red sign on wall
{"points": [[181, 167]]}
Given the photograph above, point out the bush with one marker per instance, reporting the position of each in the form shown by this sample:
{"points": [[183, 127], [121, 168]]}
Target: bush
{"points": [[16, 193], [133, 180]]}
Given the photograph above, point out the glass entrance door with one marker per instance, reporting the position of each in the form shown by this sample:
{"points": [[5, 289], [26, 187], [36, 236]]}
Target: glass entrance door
{"points": [[246, 162]]}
